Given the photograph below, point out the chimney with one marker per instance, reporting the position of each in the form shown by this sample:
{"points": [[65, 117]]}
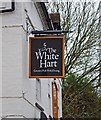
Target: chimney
{"points": [[55, 17]]}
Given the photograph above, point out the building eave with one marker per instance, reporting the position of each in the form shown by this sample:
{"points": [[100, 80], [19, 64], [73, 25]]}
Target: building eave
{"points": [[44, 16]]}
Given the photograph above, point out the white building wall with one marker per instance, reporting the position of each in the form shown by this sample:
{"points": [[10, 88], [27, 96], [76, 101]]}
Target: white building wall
{"points": [[18, 91], [0, 65]]}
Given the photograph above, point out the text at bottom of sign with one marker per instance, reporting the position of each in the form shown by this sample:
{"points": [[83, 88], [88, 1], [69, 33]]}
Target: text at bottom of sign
{"points": [[43, 70]]}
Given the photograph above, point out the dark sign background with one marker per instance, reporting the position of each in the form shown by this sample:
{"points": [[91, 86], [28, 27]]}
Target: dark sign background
{"points": [[36, 43]]}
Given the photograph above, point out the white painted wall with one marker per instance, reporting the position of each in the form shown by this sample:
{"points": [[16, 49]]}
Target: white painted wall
{"points": [[15, 81], [0, 64]]}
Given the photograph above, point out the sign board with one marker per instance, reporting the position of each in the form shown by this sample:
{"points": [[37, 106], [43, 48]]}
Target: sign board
{"points": [[46, 57]]}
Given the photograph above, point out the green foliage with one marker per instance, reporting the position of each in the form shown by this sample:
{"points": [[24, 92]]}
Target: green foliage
{"points": [[80, 100], [82, 83]]}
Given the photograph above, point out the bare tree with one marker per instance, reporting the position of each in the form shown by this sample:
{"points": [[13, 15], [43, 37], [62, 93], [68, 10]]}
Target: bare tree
{"points": [[82, 45]]}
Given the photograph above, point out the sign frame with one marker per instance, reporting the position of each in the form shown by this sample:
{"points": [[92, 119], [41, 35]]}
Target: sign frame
{"points": [[42, 38]]}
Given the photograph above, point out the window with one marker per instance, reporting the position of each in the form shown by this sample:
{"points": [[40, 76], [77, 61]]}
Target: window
{"points": [[7, 6], [38, 89]]}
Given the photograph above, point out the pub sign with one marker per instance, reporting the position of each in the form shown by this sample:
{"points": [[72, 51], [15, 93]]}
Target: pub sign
{"points": [[46, 57]]}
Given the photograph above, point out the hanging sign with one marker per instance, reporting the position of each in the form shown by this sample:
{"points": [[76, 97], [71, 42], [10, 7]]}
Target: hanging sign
{"points": [[46, 57]]}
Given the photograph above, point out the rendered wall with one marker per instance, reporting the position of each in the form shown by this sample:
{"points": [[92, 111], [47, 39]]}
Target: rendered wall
{"points": [[18, 91]]}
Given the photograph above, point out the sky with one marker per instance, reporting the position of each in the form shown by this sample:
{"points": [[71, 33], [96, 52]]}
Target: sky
{"points": [[74, 0], [51, 0]]}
